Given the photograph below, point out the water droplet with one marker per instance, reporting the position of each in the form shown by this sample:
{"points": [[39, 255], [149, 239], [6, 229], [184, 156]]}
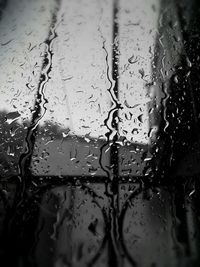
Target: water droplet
{"points": [[176, 79], [133, 60], [141, 118], [12, 116]]}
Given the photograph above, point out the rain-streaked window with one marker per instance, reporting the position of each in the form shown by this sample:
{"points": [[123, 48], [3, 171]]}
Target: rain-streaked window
{"points": [[99, 126]]}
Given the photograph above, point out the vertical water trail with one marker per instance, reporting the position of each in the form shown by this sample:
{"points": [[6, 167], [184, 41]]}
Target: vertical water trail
{"points": [[111, 122], [38, 111], [108, 121]]}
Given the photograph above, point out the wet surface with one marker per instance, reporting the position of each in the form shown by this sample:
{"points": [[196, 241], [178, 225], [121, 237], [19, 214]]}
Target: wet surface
{"points": [[99, 126]]}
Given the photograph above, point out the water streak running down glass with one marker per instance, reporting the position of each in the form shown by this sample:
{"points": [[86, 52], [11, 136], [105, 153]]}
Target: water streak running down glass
{"points": [[99, 122]]}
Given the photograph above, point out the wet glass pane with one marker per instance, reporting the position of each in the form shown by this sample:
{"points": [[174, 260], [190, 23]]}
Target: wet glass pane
{"points": [[99, 133]]}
